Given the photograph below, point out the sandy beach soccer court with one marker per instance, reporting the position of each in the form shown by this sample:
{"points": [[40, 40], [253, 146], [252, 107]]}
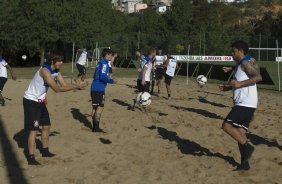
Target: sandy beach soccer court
{"points": [[177, 141]]}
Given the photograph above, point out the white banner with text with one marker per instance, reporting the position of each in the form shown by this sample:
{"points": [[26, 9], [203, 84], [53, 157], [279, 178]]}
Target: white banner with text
{"points": [[202, 58]]}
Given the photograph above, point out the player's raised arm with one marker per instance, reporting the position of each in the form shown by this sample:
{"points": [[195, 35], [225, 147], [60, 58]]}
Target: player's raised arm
{"points": [[11, 72], [62, 82], [45, 74]]}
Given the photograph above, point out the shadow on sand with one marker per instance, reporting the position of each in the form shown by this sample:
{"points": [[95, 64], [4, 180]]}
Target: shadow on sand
{"points": [[199, 111], [15, 173], [122, 103], [82, 118], [190, 147], [204, 100], [257, 140]]}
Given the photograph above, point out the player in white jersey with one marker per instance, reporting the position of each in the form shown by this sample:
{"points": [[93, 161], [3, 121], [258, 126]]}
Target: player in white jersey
{"points": [[141, 59], [4, 77], [34, 103], [80, 64], [170, 65], [247, 74], [144, 77], [159, 70]]}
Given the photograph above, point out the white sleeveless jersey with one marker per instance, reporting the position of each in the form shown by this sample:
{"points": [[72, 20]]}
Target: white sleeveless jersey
{"points": [[3, 69], [245, 96], [82, 58], [159, 59], [142, 62], [37, 88], [149, 67], [170, 69]]}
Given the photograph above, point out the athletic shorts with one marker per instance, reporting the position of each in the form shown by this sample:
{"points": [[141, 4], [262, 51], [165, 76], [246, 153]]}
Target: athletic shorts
{"points": [[81, 69], [110, 70], [3, 81], [159, 73], [168, 79], [240, 116], [98, 99], [35, 115], [142, 88]]}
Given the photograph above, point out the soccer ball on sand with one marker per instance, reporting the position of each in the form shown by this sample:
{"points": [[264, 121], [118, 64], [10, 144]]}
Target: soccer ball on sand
{"points": [[202, 80], [143, 99]]}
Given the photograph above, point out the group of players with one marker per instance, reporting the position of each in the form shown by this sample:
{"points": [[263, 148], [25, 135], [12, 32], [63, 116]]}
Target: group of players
{"points": [[152, 68]]}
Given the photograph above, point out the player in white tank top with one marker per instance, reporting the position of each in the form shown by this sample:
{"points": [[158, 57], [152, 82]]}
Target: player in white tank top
{"points": [[35, 110], [159, 70], [4, 66], [171, 66], [245, 97]]}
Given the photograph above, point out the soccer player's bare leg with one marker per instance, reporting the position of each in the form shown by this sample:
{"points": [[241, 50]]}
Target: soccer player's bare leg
{"points": [[45, 141], [96, 116]]}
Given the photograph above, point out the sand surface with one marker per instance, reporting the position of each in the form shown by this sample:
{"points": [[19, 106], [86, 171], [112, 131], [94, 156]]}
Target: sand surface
{"points": [[177, 141]]}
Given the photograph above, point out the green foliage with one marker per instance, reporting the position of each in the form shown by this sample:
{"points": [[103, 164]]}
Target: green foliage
{"points": [[40, 25]]}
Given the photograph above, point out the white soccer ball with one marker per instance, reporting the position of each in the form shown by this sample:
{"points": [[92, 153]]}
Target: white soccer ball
{"points": [[143, 99], [202, 80], [24, 57]]}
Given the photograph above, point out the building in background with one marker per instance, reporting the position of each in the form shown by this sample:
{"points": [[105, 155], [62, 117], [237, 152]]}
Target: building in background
{"points": [[140, 6], [228, 1], [136, 6]]}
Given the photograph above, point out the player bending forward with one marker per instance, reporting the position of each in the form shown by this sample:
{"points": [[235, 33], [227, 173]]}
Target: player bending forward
{"points": [[144, 77], [35, 111]]}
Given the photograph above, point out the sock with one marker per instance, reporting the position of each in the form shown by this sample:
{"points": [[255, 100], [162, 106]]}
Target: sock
{"points": [[169, 95]]}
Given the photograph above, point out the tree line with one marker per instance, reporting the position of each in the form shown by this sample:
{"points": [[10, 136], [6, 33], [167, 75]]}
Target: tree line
{"points": [[35, 27]]}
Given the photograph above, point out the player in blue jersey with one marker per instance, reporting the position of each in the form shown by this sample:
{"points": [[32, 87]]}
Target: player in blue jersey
{"points": [[100, 80]]}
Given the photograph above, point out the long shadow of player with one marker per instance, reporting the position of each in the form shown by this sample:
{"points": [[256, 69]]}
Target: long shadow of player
{"points": [[22, 136], [122, 103], [257, 140], [15, 173], [218, 94], [190, 147], [204, 100], [199, 111], [82, 118], [131, 86]]}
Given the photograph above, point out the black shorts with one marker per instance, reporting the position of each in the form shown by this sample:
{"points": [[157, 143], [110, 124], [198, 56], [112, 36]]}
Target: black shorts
{"points": [[159, 73], [110, 70], [98, 99], [168, 79], [81, 69], [35, 115], [240, 116], [142, 88], [3, 81]]}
